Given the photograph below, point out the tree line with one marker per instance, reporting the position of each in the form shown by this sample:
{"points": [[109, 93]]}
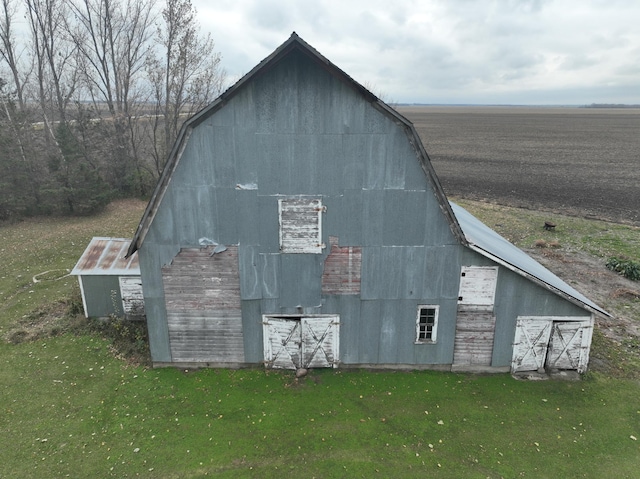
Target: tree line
{"points": [[92, 96]]}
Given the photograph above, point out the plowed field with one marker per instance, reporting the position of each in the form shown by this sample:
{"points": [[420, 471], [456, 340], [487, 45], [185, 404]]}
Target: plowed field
{"points": [[577, 161]]}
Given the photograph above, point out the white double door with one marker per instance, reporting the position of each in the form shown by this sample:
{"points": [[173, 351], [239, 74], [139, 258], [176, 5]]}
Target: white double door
{"points": [[552, 343], [293, 342]]}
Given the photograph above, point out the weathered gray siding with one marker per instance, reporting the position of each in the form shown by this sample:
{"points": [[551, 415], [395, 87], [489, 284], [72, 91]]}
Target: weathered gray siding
{"points": [[101, 296], [297, 131]]}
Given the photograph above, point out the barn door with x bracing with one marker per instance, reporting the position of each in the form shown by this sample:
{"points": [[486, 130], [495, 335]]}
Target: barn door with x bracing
{"points": [[551, 343], [292, 342]]}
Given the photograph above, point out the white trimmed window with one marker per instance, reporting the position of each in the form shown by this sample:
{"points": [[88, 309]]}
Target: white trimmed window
{"points": [[427, 323], [301, 225]]}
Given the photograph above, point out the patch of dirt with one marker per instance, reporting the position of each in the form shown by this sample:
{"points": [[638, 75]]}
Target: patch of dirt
{"points": [[618, 295], [41, 323], [575, 161]]}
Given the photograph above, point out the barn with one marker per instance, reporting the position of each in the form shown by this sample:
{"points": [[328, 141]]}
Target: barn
{"points": [[110, 282], [299, 224]]}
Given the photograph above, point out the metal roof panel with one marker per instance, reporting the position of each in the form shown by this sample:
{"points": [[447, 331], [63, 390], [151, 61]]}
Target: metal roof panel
{"points": [[106, 256], [485, 241]]}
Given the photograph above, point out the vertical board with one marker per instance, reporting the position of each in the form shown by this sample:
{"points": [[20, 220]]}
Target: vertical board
{"points": [[530, 344], [474, 338], [202, 293], [132, 297]]}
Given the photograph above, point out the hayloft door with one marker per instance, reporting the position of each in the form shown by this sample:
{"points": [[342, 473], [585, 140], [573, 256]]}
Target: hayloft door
{"points": [[292, 342], [475, 324]]}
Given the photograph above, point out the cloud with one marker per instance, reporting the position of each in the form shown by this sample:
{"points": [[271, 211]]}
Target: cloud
{"points": [[471, 51]]}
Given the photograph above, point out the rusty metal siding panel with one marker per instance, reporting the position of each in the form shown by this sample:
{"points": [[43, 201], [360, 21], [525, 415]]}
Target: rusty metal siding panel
{"points": [[342, 269], [106, 256], [202, 297]]}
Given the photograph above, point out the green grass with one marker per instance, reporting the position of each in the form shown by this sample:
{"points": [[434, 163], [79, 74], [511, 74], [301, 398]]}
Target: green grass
{"points": [[70, 408]]}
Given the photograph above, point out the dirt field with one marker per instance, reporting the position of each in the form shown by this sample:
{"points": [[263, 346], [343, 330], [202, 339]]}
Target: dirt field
{"points": [[578, 161]]}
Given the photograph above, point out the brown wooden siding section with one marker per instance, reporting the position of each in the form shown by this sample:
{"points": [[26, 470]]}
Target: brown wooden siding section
{"points": [[202, 293], [342, 269]]}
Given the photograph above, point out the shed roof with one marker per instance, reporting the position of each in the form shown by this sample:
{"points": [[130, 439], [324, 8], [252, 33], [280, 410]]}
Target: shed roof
{"points": [[490, 244], [106, 257]]}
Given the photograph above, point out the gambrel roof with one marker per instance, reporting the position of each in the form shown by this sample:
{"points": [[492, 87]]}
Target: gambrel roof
{"points": [[468, 230], [294, 43]]}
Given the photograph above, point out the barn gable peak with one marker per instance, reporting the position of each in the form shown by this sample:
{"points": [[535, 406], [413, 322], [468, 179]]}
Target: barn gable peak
{"points": [[294, 44]]}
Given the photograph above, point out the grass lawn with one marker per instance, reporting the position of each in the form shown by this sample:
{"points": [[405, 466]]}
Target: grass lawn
{"points": [[72, 407]]}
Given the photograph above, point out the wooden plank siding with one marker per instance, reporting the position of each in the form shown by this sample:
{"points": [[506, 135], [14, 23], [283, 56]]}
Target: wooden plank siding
{"points": [[132, 298], [202, 293], [342, 269], [474, 338]]}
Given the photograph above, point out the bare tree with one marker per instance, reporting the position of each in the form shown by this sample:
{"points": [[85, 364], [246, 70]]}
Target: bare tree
{"points": [[9, 51], [53, 56], [113, 38], [185, 72], [95, 93]]}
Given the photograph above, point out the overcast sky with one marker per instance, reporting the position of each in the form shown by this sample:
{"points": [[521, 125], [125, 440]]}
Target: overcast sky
{"points": [[449, 51]]}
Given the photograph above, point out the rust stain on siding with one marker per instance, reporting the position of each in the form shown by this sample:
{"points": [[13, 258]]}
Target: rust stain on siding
{"points": [[342, 269]]}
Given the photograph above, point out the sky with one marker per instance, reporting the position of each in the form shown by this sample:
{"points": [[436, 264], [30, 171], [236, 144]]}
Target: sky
{"points": [[515, 52]]}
